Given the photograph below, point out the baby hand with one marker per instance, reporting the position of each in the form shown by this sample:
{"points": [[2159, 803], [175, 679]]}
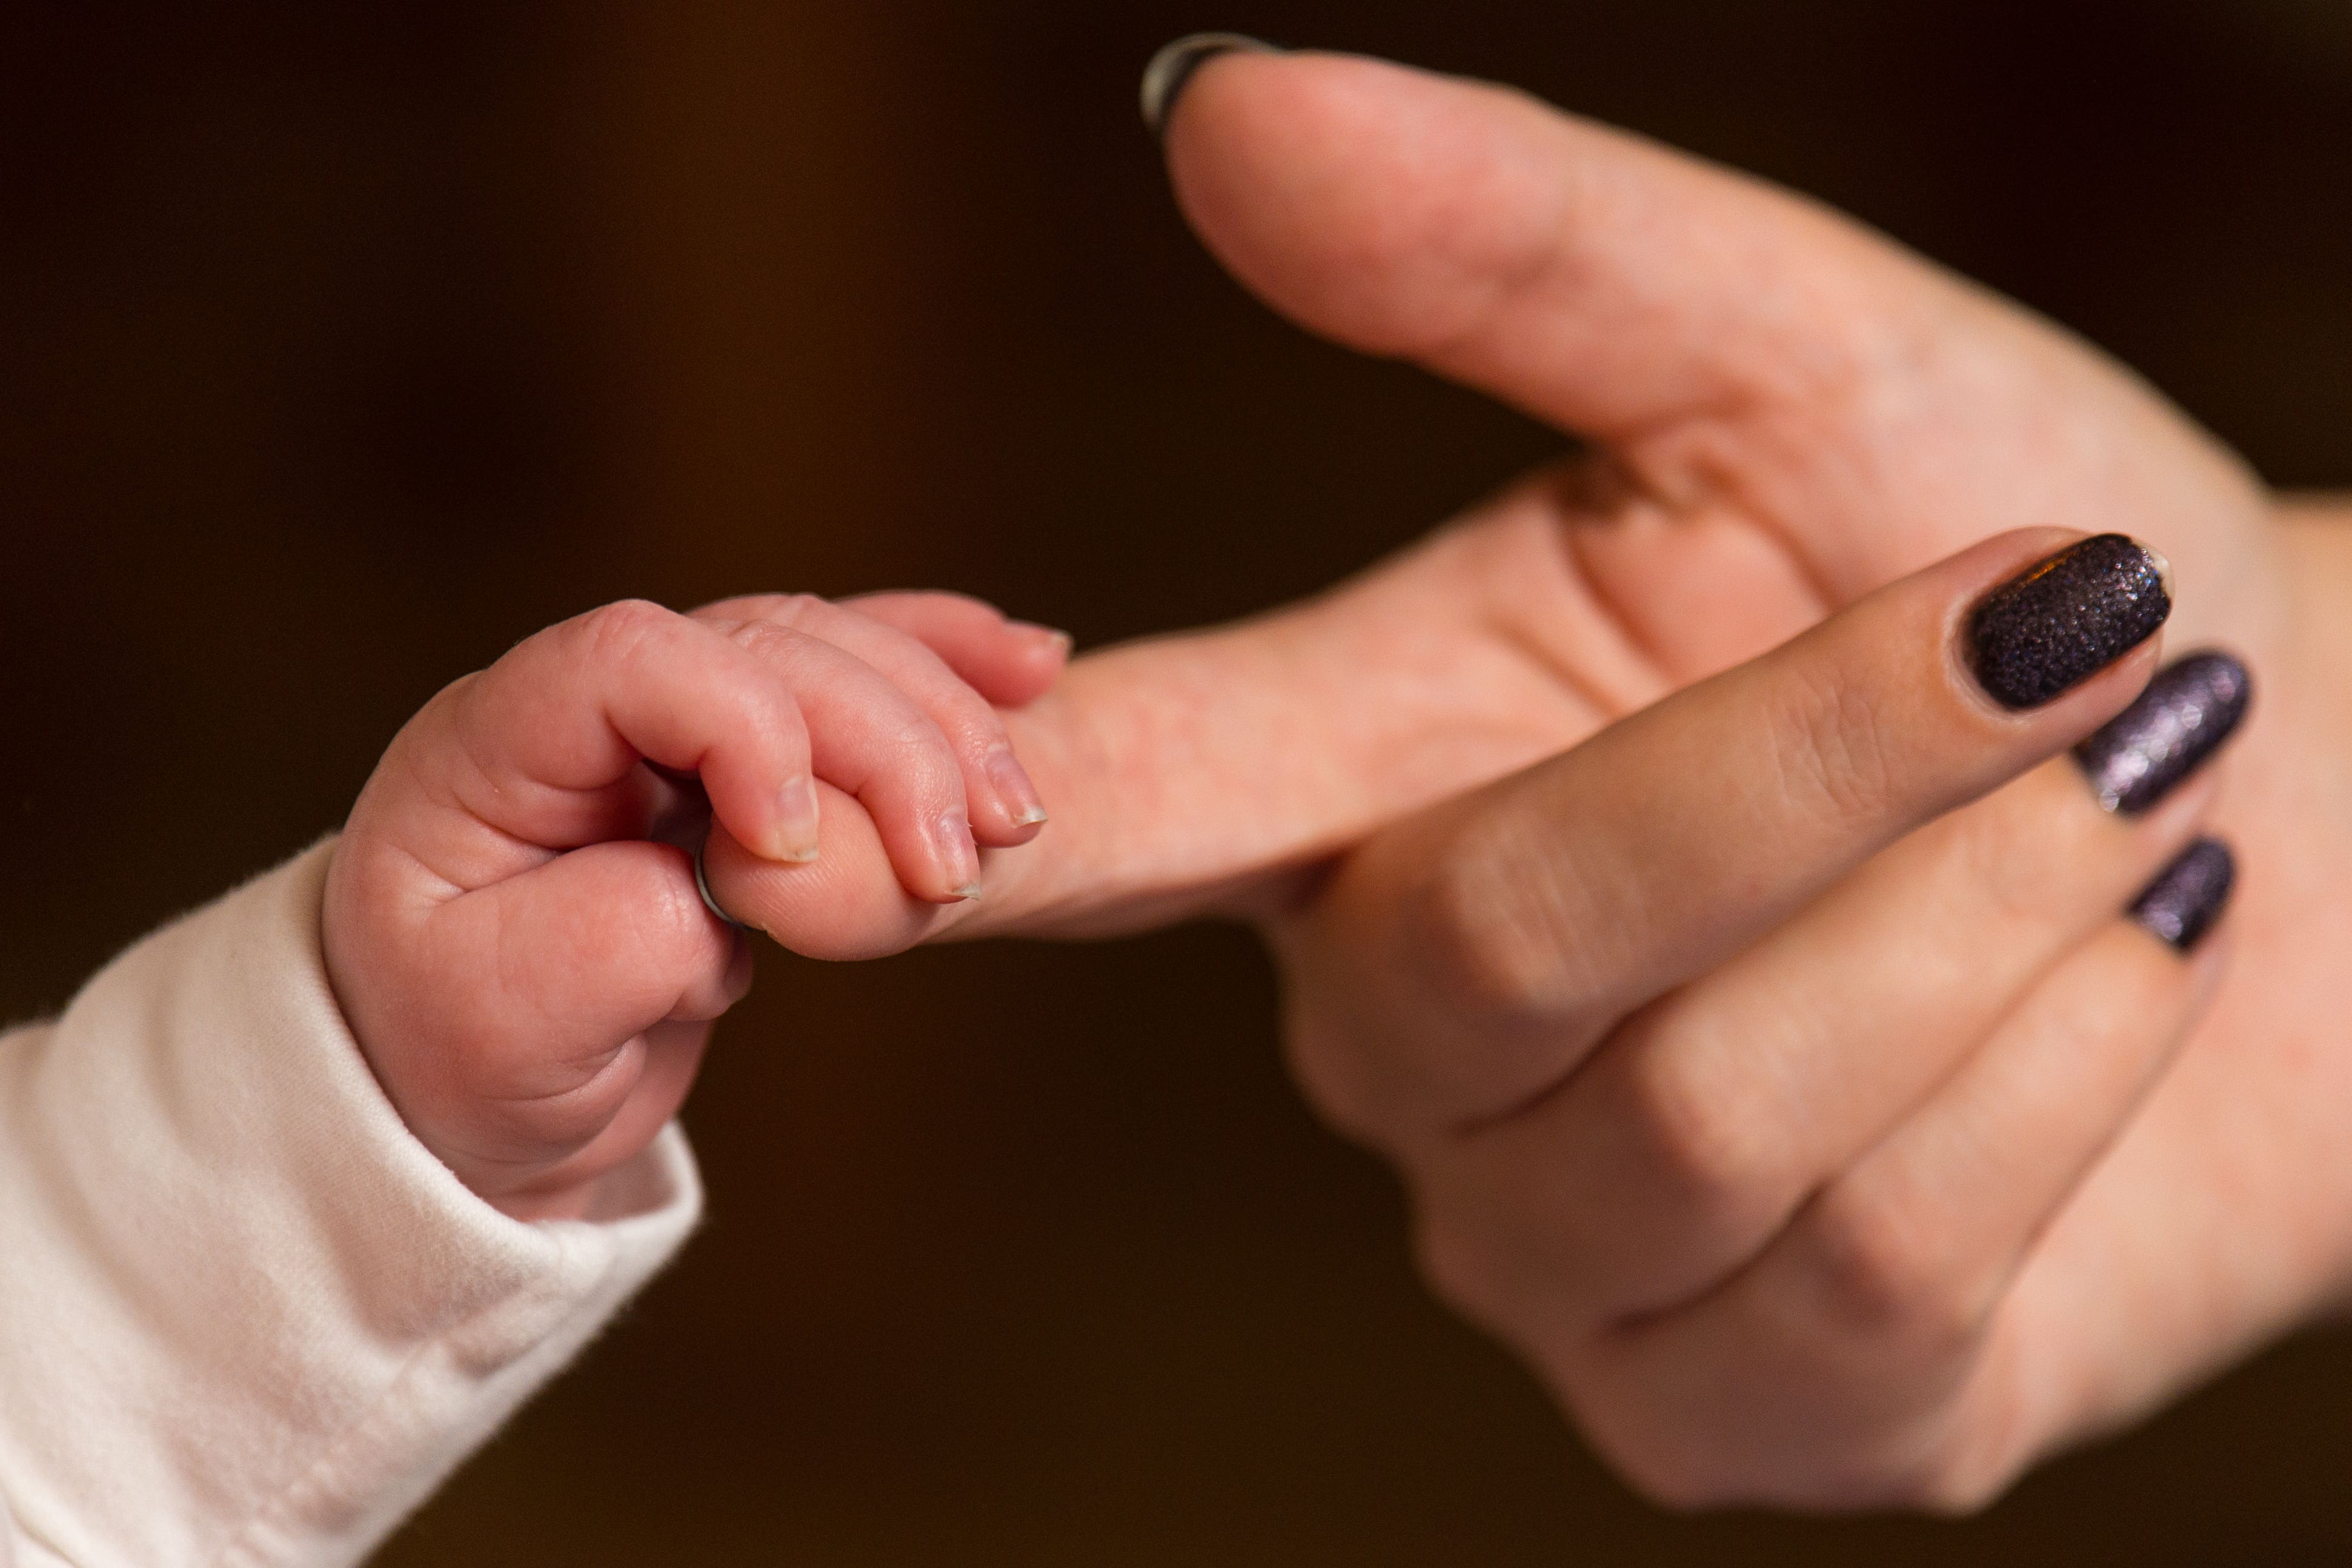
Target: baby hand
{"points": [[530, 974]]}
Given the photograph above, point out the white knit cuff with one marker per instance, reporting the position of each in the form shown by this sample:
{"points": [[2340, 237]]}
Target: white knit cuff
{"points": [[246, 1316]]}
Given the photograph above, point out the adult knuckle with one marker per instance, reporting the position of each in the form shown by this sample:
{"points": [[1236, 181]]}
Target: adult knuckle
{"points": [[1457, 1269], [1342, 1045], [1949, 1472], [1492, 934], [1983, 1451], [1684, 1476], [1721, 1155], [1955, 1488], [1952, 1450], [1330, 1061], [1887, 1270], [1695, 1487], [1692, 1476], [1867, 1476]]}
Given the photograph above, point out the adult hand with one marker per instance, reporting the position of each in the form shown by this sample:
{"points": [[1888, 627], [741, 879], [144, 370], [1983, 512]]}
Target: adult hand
{"points": [[1768, 1235], [1787, 412], [1737, 1073]]}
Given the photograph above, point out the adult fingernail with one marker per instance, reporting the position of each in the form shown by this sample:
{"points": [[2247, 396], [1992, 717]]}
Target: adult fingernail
{"points": [[2188, 896], [2187, 712], [796, 822], [1014, 791], [959, 856], [2063, 620], [1171, 69]]}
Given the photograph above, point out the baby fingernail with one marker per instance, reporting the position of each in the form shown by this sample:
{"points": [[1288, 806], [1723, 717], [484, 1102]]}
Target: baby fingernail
{"points": [[2188, 896], [1014, 790], [796, 823], [2169, 730], [1060, 641], [2067, 618], [959, 856], [1174, 65]]}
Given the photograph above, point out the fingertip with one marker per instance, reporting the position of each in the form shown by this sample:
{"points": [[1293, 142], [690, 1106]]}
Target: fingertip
{"points": [[1010, 663], [2209, 963], [758, 768], [799, 827], [947, 871], [2066, 618], [1047, 646], [2170, 734], [1173, 68], [778, 822], [2187, 900], [1007, 811], [1010, 837], [926, 836], [1035, 656], [1372, 201]]}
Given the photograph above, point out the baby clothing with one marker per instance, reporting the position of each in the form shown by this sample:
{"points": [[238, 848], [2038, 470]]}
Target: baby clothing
{"points": [[246, 1318]]}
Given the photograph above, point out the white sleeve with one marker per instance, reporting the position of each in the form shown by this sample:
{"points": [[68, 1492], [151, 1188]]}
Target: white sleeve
{"points": [[244, 1317]]}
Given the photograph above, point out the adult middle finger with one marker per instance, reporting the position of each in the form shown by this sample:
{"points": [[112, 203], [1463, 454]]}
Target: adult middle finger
{"points": [[1687, 1142], [1468, 960]]}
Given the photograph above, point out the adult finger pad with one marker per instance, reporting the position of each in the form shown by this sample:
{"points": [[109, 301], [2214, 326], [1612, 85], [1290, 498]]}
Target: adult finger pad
{"points": [[846, 904], [1378, 204]]}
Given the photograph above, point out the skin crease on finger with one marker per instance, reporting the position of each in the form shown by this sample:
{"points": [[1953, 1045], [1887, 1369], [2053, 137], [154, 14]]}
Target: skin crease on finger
{"points": [[1966, 418], [1896, 1273], [1846, 1016], [1575, 602], [1892, 357], [1994, 853], [2203, 1153], [1835, 746]]}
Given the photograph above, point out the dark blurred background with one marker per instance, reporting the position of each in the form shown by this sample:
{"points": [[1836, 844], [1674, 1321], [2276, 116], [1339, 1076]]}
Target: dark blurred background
{"points": [[342, 347]]}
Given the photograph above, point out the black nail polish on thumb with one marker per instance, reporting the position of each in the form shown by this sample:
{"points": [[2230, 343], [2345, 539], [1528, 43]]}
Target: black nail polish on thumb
{"points": [[1165, 78]]}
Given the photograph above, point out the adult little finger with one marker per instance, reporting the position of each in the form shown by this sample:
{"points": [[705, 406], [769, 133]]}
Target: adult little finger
{"points": [[1842, 1368]]}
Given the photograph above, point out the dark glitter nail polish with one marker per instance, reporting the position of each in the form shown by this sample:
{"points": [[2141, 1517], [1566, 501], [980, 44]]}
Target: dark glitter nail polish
{"points": [[1174, 65], [2067, 619], [2188, 896], [2187, 712]]}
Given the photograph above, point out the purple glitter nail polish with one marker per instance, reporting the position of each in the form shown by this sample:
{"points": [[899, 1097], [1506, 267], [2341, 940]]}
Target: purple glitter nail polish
{"points": [[2182, 718], [2188, 896], [2063, 620]]}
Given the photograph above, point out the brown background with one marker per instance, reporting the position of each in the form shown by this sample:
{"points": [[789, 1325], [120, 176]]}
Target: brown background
{"points": [[342, 350]]}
